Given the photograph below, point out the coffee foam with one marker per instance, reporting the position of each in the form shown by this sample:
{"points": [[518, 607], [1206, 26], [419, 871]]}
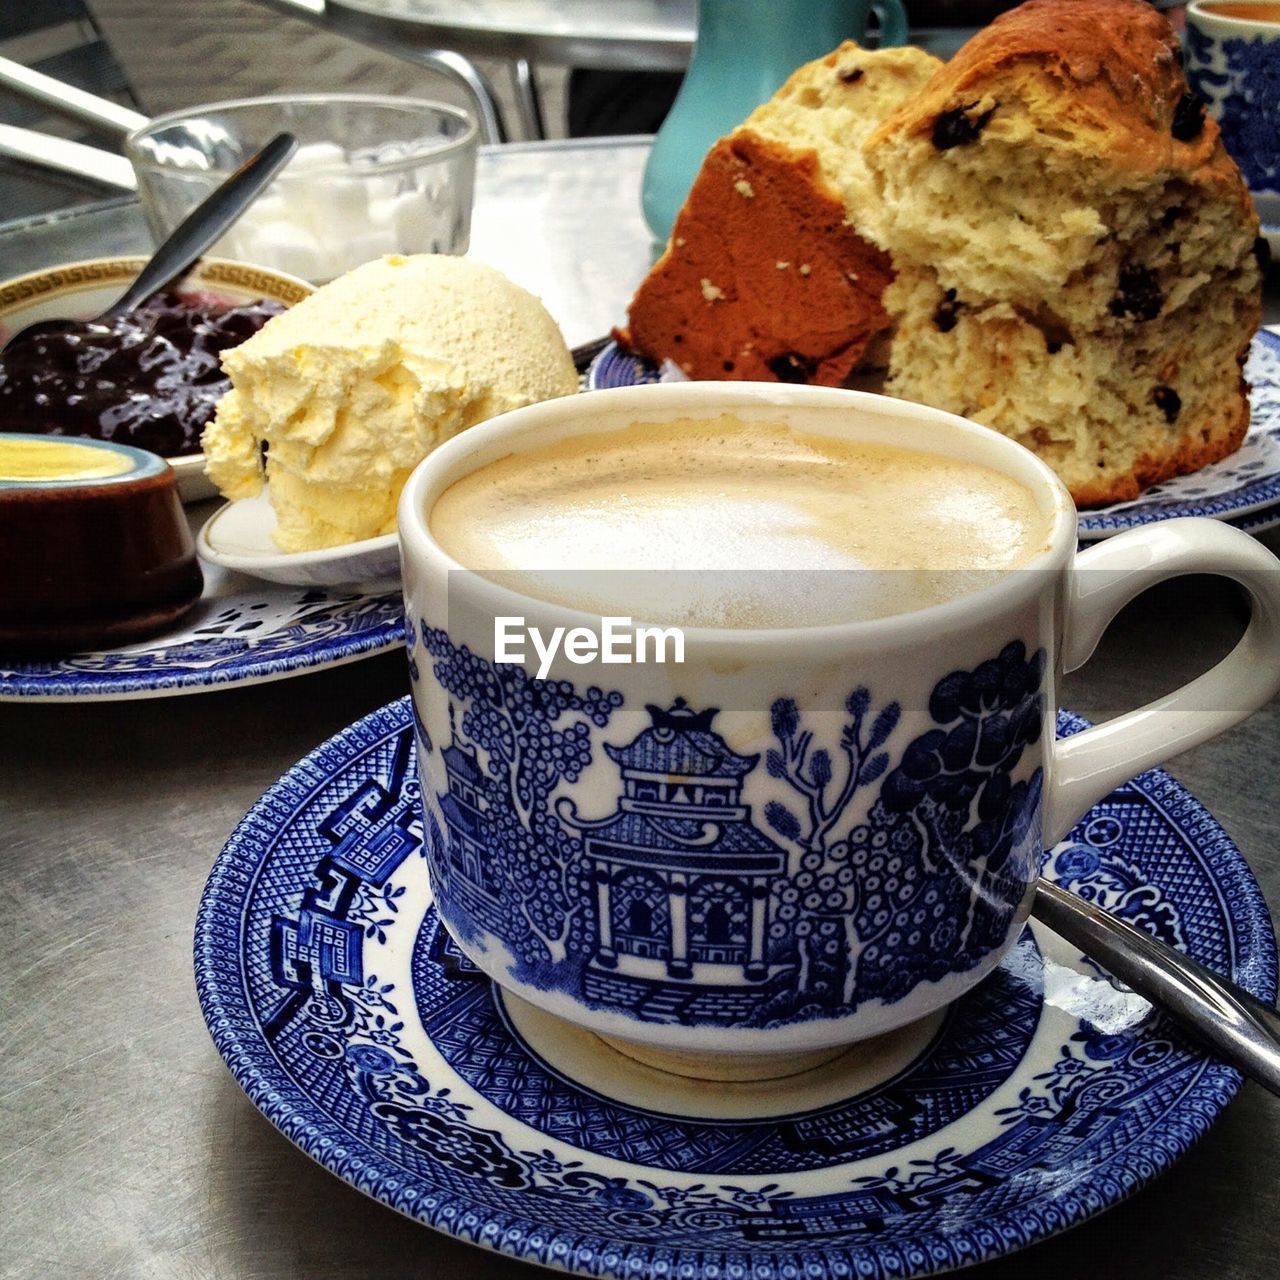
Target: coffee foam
{"points": [[738, 524]]}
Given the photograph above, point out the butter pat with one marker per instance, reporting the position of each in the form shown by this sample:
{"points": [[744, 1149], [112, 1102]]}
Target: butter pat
{"points": [[351, 388]]}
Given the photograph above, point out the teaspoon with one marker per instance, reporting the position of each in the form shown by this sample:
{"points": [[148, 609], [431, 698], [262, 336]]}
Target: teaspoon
{"points": [[194, 235], [1239, 1027]]}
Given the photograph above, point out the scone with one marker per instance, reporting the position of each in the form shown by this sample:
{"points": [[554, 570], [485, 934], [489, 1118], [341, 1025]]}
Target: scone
{"points": [[767, 275], [1074, 249]]}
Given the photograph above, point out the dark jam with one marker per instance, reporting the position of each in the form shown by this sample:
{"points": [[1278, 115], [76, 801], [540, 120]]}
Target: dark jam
{"points": [[150, 378]]}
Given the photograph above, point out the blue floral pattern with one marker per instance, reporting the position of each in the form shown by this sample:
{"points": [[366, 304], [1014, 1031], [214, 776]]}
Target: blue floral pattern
{"points": [[259, 635], [1245, 95], [679, 906], [298, 998]]}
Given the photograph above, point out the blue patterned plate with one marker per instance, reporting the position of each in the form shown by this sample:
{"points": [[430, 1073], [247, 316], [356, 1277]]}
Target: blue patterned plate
{"points": [[1246, 482], [241, 632], [1045, 1095]]}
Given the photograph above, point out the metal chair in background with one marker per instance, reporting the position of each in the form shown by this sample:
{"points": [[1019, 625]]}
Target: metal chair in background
{"points": [[458, 68], [56, 46]]}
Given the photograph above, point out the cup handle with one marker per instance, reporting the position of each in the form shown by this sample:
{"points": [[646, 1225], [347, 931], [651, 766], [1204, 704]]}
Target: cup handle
{"points": [[1089, 765], [893, 22]]}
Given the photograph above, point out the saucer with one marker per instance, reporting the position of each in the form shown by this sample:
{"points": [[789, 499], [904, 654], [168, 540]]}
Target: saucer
{"points": [[238, 537], [1046, 1094], [240, 633], [1242, 485]]}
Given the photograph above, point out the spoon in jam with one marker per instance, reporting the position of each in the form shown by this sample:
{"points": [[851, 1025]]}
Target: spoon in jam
{"points": [[200, 229]]}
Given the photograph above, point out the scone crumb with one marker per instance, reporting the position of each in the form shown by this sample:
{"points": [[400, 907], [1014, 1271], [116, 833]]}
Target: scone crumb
{"points": [[709, 291], [804, 268], [680, 242], [782, 266], [744, 189]]}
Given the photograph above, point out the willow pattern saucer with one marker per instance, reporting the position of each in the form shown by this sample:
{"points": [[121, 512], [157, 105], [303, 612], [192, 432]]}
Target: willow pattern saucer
{"points": [[1047, 1094], [241, 632], [1243, 489]]}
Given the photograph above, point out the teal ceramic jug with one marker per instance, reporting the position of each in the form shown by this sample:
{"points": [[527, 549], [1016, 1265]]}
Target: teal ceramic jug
{"points": [[745, 50]]}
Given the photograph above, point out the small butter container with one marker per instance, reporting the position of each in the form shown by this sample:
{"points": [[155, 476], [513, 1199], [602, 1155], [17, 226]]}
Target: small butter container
{"points": [[94, 549]]}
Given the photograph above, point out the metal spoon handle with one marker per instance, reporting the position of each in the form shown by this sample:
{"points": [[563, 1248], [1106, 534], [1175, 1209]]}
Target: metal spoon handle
{"points": [[67, 100], [1243, 1030], [206, 222], [65, 156]]}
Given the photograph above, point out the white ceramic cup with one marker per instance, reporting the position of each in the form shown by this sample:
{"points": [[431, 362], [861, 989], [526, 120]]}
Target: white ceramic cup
{"points": [[1233, 63], [654, 852]]}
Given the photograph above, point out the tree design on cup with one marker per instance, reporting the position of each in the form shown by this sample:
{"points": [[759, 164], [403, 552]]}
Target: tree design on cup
{"points": [[818, 906], [535, 734], [679, 905], [927, 884]]}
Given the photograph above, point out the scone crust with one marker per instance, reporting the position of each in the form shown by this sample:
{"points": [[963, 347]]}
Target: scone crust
{"points": [[770, 273], [1098, 72], [762, 274], [1195, 449], [1094, 91]]}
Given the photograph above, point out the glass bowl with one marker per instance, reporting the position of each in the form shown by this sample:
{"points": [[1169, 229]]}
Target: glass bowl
{"points": [[372, 175]]}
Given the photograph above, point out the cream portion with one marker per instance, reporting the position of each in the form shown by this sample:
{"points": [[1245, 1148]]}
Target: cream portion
{"points": [[351, 388], [726, 523], [57, 459]]}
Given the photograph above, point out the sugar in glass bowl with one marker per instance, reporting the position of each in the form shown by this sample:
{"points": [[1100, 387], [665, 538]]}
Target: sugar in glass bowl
{"points": [[372, 175]]}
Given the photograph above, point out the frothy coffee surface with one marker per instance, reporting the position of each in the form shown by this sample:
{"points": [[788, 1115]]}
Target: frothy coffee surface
{"points": [[736, 524]]}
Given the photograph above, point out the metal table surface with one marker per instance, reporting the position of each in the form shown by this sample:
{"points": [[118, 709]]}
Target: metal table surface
{"points": [[127, 1150]]}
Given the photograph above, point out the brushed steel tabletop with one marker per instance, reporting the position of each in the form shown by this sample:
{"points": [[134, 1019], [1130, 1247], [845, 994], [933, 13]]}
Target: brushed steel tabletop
{"points": [[127, 1150]]}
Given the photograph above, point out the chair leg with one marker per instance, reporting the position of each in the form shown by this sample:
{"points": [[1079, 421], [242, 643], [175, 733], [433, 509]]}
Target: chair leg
{"points": [[528, 100], [488, 113], [454, 65]]}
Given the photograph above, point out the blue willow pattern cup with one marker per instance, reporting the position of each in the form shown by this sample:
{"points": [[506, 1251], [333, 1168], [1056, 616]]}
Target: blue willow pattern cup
{"points": [[1233, 63], [794, 839]]}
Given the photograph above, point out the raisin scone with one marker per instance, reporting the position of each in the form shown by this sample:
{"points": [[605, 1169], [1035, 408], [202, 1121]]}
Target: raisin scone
{"points": [[1076, 254], [766, 275]]}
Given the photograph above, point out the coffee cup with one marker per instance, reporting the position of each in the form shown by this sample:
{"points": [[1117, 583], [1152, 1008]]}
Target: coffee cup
{"points": [[1233, 63], [795, 837]]}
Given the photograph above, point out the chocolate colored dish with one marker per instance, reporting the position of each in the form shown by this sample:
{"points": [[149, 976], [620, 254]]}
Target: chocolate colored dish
{"points": [[150, 378], [94, 549]]}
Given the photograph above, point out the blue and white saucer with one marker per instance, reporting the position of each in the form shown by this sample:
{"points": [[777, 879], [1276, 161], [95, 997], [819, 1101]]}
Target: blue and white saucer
{"points": [[241, 632], [1047, 1094], [1243, 489]]}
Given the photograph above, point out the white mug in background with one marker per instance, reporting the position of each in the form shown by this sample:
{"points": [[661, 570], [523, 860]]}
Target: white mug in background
{"points": [[653, 852]]}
